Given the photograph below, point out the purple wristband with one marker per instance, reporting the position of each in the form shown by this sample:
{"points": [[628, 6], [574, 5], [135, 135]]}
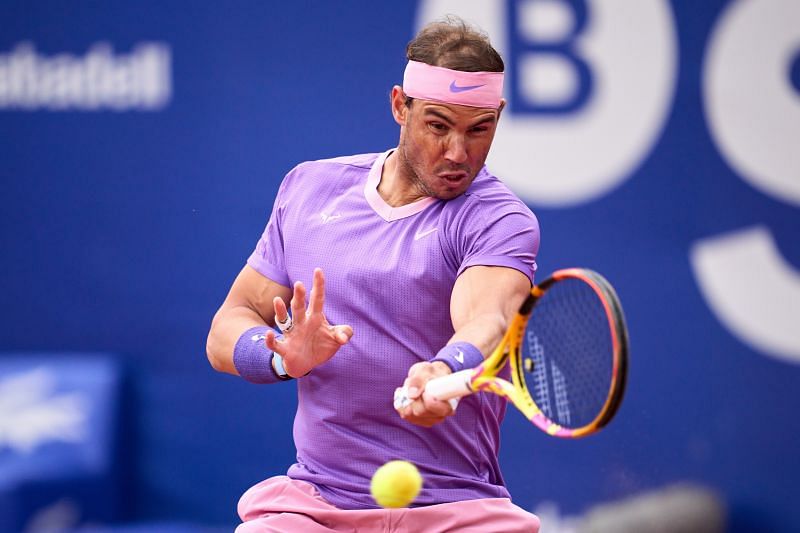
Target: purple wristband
{"points": [[252, 358], [459, 355]]}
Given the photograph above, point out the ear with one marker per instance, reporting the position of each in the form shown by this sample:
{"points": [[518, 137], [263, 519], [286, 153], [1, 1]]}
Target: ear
{"points": [[398, 102], [500, 108]]}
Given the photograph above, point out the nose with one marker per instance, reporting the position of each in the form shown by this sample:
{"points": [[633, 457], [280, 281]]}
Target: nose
{"points": [[456, 151]]}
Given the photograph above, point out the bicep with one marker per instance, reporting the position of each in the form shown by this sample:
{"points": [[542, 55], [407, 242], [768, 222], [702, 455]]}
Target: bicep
{"points": [[255, 291], [248, 304], [487, 291]]}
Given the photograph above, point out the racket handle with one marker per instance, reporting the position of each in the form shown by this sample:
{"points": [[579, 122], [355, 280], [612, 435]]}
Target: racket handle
{"points": [[454, 385]]}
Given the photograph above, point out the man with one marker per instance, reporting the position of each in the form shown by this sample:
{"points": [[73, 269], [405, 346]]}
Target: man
{"points": [[426, 257]]}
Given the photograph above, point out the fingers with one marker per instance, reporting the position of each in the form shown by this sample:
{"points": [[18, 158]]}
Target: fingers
{"points": [[423, 414], [436, 409], [415, 382], [421, 411], [401, 398], [317, 300], [281, 313], [404, 406], [413, 405], [273, 344], [282, 318], [342, 333], [298, 303]]}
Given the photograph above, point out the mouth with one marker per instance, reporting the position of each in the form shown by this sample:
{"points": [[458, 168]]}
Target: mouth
{"points": [[453, 177]]}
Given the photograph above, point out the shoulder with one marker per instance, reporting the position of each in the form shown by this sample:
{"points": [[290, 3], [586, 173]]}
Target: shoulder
{"points": [[489, 225], [356, 163], [337, 171], [488, 212], [489, 198], [363, 161]]}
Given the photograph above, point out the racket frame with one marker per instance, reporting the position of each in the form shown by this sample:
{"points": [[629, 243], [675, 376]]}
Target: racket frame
{"points": [[484, 377]]}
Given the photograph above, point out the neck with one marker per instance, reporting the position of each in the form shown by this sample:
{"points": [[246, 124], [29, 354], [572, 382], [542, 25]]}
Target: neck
{"points": [[398, 186]]}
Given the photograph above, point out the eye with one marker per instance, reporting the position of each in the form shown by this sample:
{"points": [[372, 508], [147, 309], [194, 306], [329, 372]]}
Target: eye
{"points": [[437, 126]]}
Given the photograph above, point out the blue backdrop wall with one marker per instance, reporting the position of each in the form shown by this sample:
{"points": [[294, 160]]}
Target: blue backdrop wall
{"points": [[143, 143]]}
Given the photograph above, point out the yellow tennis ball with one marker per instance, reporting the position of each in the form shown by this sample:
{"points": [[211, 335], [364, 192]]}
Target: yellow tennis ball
{"points": [[396, 484]]}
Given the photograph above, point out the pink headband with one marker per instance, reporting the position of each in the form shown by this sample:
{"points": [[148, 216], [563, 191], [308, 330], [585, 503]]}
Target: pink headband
{"points": [[474, 89]]}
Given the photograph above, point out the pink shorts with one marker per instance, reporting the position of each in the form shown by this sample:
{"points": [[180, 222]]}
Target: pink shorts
{"points": [[283, 504]]}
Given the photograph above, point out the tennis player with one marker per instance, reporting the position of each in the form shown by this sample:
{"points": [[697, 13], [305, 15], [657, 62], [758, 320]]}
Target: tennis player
{"points": [[426, 255]]}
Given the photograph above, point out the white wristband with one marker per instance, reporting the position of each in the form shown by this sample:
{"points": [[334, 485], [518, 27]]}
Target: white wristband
{"points": [[277, 363]]}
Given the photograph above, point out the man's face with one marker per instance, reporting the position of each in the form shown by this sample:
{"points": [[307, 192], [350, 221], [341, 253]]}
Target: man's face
{"points": [[443, 146]]}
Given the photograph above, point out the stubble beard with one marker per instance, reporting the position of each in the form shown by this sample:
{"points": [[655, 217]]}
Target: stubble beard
{"points": [[412, 174], [408, 168]]}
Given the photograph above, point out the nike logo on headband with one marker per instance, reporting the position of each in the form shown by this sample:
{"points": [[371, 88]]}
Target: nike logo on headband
{"points": [[456, 89]]}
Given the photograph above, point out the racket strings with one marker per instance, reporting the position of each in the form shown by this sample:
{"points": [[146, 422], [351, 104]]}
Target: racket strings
{"points": [[567, 354]]}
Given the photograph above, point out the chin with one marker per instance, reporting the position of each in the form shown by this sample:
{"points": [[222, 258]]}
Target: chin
{"points": [[449, 195]]}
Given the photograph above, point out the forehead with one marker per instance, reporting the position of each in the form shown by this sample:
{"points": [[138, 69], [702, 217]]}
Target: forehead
{"points": [[457, 113]]}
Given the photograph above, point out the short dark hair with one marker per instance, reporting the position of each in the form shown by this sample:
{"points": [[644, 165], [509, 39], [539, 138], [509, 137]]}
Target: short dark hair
{"points": [[454, 44]]}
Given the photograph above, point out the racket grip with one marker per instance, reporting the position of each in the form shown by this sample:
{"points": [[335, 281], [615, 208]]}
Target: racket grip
{"points": [[453, 385]]}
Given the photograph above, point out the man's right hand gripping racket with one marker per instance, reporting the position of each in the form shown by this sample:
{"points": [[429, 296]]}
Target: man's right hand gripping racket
{"points": [[568, 352]]}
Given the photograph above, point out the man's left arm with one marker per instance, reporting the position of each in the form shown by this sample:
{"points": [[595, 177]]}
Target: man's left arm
{"points": [[482, 304]]}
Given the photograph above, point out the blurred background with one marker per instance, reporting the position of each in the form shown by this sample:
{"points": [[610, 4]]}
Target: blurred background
{"points": [[141, 146]]}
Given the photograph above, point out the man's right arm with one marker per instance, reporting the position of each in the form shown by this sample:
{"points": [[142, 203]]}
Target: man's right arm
{"points": [[248, 304]]}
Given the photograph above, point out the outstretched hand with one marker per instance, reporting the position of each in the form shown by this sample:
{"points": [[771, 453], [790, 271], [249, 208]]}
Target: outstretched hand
{"points": [[311, 340]]}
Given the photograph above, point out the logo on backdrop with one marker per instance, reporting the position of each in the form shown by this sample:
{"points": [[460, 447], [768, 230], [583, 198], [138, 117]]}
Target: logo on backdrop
{"points": [[751, 90], [762, 310], [100, 80], [32, 413], [751, 101], [583, 112]]}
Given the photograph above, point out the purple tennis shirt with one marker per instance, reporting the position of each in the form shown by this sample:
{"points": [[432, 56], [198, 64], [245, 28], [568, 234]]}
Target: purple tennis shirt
{"points": [[389, 273]]}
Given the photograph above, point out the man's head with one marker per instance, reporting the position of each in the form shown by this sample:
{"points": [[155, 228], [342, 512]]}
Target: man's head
{"points": [[448, 107], [453, 44]]}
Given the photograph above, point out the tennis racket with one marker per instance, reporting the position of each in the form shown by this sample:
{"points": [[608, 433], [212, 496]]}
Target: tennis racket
{"points": [[567, 349]]}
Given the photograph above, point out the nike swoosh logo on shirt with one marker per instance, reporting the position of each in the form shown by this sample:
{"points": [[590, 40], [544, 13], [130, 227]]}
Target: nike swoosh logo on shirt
{"points": [[460, 89], [421, 234]]}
